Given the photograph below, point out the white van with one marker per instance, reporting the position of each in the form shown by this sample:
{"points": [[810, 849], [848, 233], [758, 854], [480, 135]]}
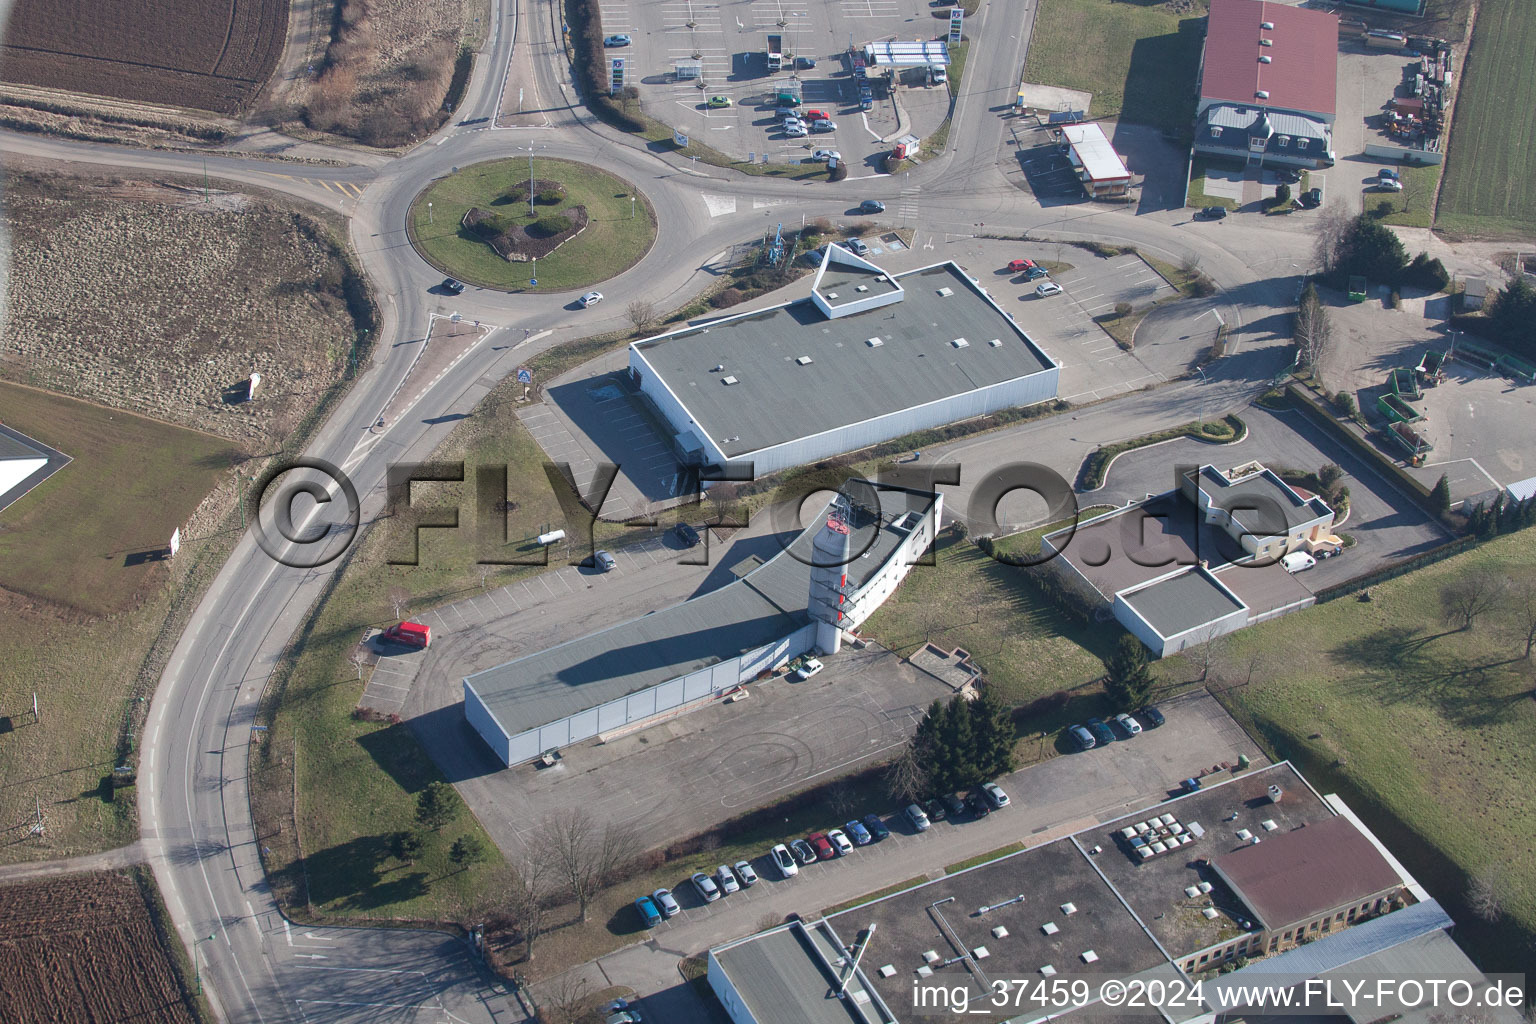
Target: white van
{"points": [[937, 75], [1297, 561]]}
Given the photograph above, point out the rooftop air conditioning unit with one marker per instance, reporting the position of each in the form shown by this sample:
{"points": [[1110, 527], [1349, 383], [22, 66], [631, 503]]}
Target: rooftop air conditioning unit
{"points": [[729, 380], [803, 360]]}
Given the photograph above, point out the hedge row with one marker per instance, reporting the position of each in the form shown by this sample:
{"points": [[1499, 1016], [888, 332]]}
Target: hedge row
{"points": [[1320, 415], [1096, 465]]}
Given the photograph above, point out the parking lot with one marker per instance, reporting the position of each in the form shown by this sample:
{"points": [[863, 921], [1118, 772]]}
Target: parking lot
{"points": [[727, 45]]}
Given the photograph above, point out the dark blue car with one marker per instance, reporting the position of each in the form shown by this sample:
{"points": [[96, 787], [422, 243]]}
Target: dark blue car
{"points": [[876, 827], [857, 832], [1101, 732]]}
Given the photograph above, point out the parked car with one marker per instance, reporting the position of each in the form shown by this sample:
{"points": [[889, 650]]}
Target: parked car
{"points": [[787, 114], [706, 887], [813, 257], [937, 75], [953, 804], [1151, 716], [805, 63], [1129, 724], [822, 845], [1190, 785], [591, 299], [857, 247], [1101, 732], [1082, 737], [616, 41], [665, 903], [808, 668], [787, 98], [1019, 266], [1311, 197], [1297, 561], [604, 562], [824, 125], [1036, 273], [978, 803], [453, 287], [871, 206], [686, 533], [817, 115], [803, 851], [624, 1012], [877, 829], [1387, 174], [784, 861], [719, 101], [820, 155], [745, 872], [935, 809], [916, 816], [650, 917], [840, 842], [1289, 175], [996, 795], [1211, 213], [796, 130], [1047, 288], [857, 832], [725, 878], [1389, 185]]}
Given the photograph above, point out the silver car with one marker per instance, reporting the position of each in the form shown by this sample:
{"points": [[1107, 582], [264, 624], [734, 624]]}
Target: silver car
{"points": [[726, 879]]}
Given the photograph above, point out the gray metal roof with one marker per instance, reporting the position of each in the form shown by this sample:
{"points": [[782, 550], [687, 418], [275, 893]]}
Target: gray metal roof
{"points": [[1242, 119], [783, 975], [1256, 496], [1183, 602], [759, 609], [775, 399], [13, 447], [1343, 948]]}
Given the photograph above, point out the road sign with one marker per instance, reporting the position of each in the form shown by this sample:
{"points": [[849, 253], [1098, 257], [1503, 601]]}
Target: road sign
{"points": [[175, 541], [956, 15], [533, 280], [615, 75], [679, 138], [524, 375]]}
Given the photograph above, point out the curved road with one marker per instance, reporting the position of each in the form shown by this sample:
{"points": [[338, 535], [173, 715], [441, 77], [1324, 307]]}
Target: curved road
{"points": [[194, 804]]}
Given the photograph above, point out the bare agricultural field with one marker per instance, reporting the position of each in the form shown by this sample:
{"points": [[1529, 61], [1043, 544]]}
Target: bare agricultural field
{"points": [[185, 53], [149, 297], [87, 948]]}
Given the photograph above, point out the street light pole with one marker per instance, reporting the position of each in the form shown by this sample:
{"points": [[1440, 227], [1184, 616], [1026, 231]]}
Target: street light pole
{"points": [[530, 181], [197, 967], [631, 207], [429, 211]]}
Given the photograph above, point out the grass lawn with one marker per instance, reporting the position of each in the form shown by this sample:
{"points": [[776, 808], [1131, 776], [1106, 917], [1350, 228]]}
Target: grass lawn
{"points": [[1197, 197], [936, 142], [618, 233], [1492, 158], [1431, 735], [1138, 60], [80, 618], [1414, 206]]}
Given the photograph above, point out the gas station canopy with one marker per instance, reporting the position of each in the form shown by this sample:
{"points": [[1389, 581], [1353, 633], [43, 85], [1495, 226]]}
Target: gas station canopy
{"points": [[897, 54]]}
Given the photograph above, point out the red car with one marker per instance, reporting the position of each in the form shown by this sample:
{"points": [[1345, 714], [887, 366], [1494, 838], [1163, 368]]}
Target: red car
{"points": [[822, 845], [1019, 266], [817, 115]]}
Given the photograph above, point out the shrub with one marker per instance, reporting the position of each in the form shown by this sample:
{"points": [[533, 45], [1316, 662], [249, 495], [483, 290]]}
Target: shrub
{"points": [[493, 226], [1345, 402], [1427, 272], [515, 194], [1396, 301], [1122, 309], [1282, 194], [550, 196], [548, 227], [728, 297], [1203, 287], [839, 172]]}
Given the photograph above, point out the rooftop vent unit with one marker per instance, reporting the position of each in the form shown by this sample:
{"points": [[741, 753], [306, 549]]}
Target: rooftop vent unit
{"points": [[980, 953], [1262, 94], [1268, 26], [960, 343], [930, 956], [946, 292], [803, 360], [874, 342], [1210, 913], [1049, 928], [717, 368], [1266, 42], [1089, 956], [729, 380], [996, 343], [1274, 793], [1266, 59], [1069, 909], [1047, 970], [1204, 887], [925, 971], [999, 932], [887, 970], [833, 295], [862, 288]]}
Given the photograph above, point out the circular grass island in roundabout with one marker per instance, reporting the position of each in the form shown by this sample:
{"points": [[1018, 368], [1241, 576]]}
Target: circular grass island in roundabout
{"points": [[587, 225]]}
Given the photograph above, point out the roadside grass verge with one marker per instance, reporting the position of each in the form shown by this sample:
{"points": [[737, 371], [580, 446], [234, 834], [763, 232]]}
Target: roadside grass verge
{"points": [[618, 232], [936, 142], [983, 858], [1428, 732], [1096, 465], [878, 894], [1139, 62], [1026, 544], [83, 609], [1414, 206], [1489, 167]]}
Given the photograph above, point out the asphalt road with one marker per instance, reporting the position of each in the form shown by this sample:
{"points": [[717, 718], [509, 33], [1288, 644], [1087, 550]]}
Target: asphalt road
{"points": [[194, 808]]}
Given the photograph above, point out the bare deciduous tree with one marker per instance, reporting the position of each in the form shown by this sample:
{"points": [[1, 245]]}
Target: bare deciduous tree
{"points": [[1522, 611], [563, 1000], [1485, 893], [1313, 329], [640, 313], [841, 798], [584, 853], [905, 779], [398, 596], [1465, 598], [722, 496], [529, 895], [358, 656], [1332, 224]]}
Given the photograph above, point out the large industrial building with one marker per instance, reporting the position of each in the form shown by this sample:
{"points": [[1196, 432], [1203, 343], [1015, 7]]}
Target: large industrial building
{"points": [[1258, 867], [870, 356], [1268, 81], [828, 581]]}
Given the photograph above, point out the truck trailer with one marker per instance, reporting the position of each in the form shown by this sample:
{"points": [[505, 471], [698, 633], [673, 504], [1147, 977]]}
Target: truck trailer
{"points": [[775, 53]]}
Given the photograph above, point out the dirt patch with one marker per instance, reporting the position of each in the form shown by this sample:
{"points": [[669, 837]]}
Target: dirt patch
{"points": [[184, 53], [157, 297], [83, 948]]}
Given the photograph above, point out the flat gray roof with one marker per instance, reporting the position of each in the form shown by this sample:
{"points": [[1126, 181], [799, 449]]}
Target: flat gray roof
{"points": [[839, 283], [785, 974], [1260, 492], [1182, 602], [847, 381], [763, 607]]}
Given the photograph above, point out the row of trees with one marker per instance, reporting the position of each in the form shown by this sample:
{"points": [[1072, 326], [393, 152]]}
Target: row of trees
{"points": [[1347, 246]]}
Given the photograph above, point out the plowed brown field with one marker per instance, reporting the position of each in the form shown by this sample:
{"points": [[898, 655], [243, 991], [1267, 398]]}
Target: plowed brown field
{"points": [[84, 948], [209, 54]]}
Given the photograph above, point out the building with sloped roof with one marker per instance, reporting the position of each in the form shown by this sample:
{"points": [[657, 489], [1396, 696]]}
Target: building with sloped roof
{"points": [[24, 463], [1268, 84]]}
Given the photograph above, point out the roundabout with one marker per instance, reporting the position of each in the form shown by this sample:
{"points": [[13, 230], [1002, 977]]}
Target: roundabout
{"points": [[505, 224]]}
